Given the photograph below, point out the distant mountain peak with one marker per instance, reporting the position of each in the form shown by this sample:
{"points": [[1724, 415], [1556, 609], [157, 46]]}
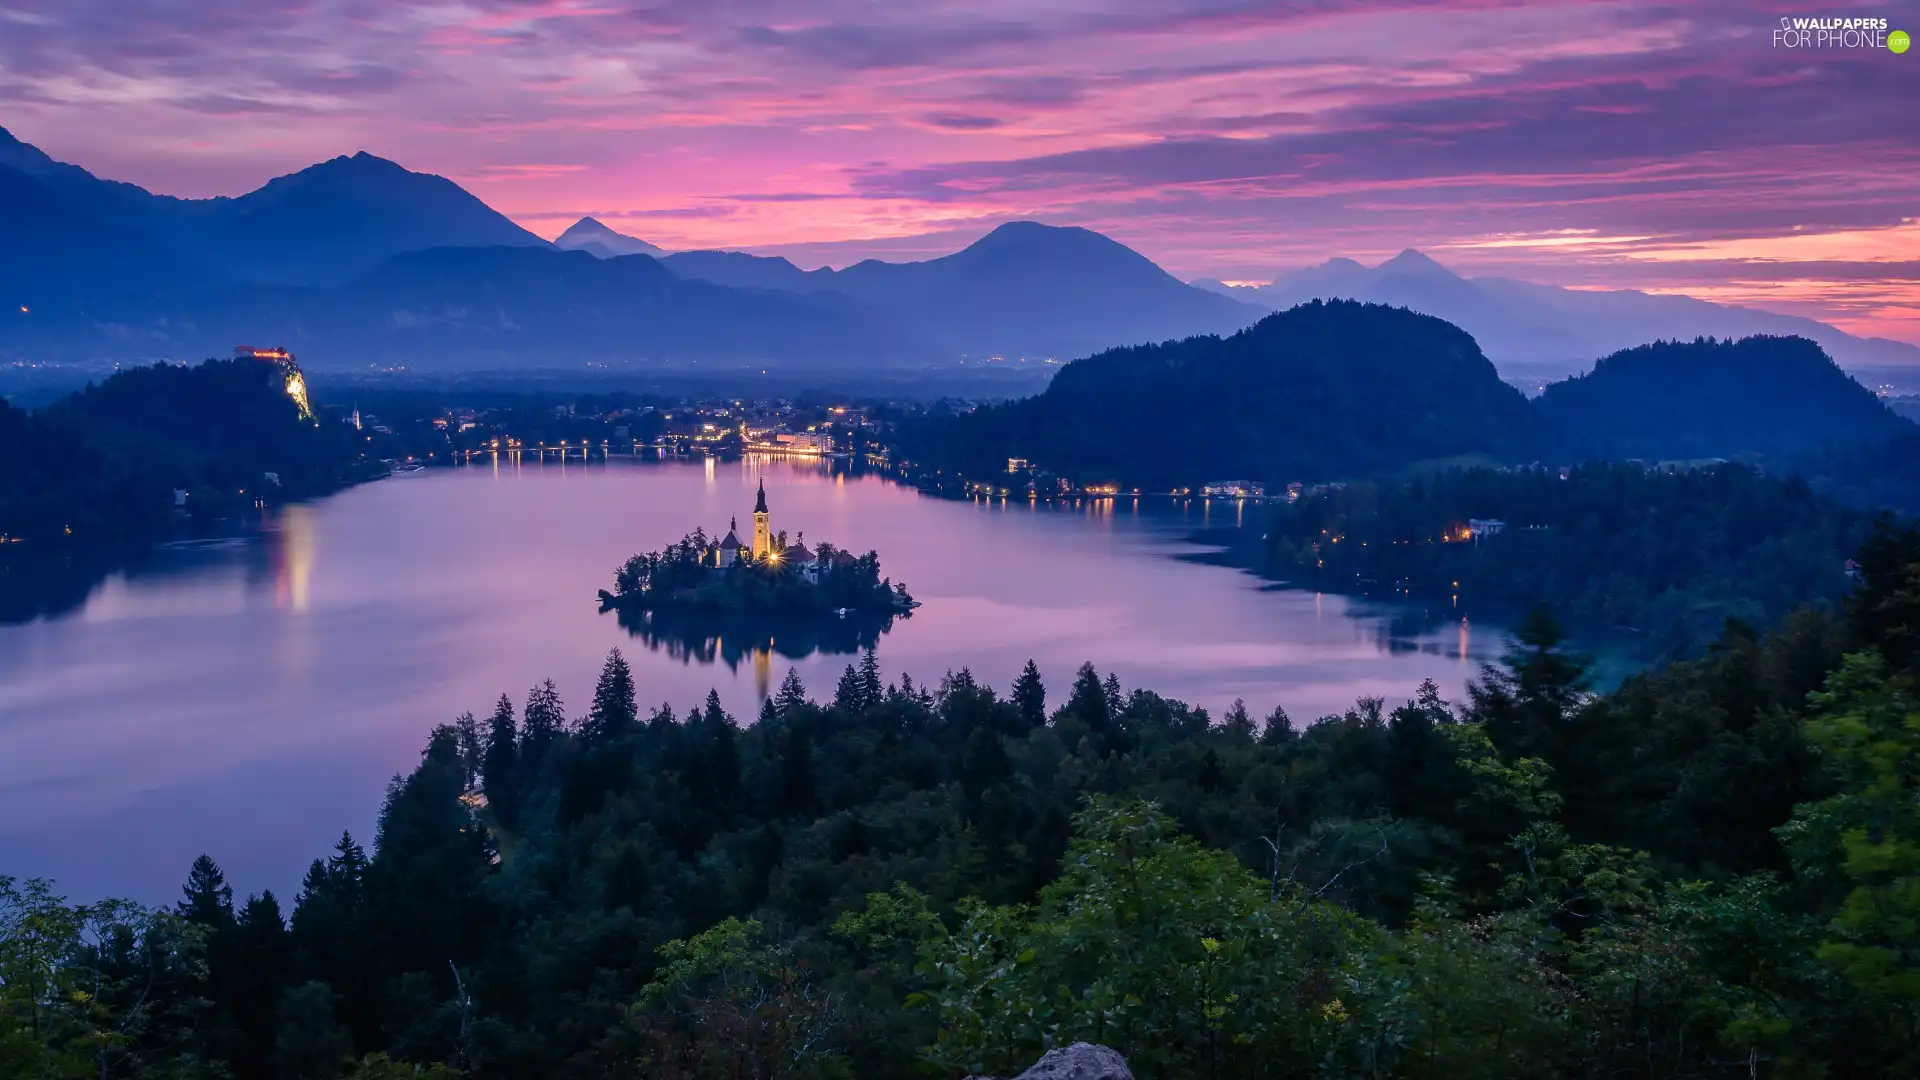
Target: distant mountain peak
{"points": [[1411, 261], [1031, 232], [596, 238]]}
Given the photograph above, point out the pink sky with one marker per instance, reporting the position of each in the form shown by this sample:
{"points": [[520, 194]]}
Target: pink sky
{"points": [[1649, 145]]}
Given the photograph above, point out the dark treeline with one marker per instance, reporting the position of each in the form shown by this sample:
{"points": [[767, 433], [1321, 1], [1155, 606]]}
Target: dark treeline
{"points": [[1710, 871], [1666, 556], [91, 479], [101, 466]]}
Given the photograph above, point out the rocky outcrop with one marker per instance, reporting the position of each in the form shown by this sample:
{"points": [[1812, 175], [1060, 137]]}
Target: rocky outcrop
{"points": [[1081, 1061]]}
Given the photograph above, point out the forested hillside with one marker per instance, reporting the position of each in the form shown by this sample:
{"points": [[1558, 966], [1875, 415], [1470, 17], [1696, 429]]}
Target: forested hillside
{"points": [[1707, 398], [1322, 390], [1340, 390], [1707, 872], [101, 466], [1662, 557]]}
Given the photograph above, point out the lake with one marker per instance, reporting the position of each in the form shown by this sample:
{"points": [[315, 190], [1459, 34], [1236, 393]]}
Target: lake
{"points": [[250, 698]]}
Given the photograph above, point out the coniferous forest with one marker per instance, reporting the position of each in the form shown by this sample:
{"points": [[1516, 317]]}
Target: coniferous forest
{"points": [[1709, 871]]}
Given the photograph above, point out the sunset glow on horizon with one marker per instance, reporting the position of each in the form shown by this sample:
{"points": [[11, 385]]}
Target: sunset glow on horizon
{"points": [[1672, 148]]}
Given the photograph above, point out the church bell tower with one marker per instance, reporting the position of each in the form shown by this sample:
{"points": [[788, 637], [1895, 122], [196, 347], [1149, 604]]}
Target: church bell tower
{"points": [[762, 532]]}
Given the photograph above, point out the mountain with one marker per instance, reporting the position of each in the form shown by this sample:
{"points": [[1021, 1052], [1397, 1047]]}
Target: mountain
{"points": [[596, 239], [59, 261], [111, 201], [1674, 400], [323, 224], [741, 270], [1323, 390], [1023, 290], [500, 306], [331, 221], [1519, 322]]}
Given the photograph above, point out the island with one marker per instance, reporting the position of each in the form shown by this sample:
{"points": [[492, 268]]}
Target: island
{"points": [[768, 577]]}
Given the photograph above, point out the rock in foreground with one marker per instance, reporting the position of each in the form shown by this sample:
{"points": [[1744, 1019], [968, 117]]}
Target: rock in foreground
{"points": [[1081, 1061]]}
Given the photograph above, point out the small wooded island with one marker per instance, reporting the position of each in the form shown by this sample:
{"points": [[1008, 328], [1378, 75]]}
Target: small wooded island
{"points": [[770, 577]]}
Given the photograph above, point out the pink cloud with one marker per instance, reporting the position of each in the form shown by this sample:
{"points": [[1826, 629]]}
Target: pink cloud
{"points": [[1231, 138]]}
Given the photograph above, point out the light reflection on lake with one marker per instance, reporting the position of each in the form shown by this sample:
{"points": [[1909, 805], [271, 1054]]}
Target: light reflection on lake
{"points": [[250, 698]]}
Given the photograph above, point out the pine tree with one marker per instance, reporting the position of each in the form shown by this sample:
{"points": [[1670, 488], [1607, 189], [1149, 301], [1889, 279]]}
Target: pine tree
{"points": [[873, 690], [1030, 696], [850, 696], [1278, 728], [1525, 703], [791, 697], [543, 719], [208, 898], [615, 710], [261, 960], [499, 766], [1088, 701], [723, 752], [1116, 701]]}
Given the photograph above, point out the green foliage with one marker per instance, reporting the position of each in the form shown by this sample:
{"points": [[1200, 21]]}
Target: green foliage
{"points": [[1709, 871], [723, 1003], [1864, 840], [108, 990]]}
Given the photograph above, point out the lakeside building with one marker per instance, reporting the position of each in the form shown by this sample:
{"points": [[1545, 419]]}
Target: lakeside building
{"points": [[1234, 489]]}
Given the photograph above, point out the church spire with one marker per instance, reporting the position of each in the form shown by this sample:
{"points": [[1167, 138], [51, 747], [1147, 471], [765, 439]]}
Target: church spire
{"points": [[762, 531]]}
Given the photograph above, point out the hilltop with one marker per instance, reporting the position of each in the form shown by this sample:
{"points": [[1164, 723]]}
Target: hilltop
{"points": [[1323, 389], [1766, 396]]}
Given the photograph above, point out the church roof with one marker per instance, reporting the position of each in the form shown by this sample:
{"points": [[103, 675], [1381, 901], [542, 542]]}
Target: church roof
{"points": [[731, 543], [798, 553], [760, 506]]}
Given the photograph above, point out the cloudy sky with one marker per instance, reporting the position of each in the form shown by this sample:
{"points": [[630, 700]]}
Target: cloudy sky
{"points": [[1661, 145]]}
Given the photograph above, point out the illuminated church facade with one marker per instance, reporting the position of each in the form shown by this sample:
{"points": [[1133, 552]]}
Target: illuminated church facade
{"points": [[731, 550]]}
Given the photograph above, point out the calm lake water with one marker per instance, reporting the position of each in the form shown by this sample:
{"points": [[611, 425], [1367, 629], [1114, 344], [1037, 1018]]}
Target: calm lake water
{"points": [[250, 698]]}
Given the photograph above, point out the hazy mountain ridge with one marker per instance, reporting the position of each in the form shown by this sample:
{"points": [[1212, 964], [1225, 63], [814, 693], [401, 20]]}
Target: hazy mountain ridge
{"points": [[321, 225], [291, 260], [1522, 322], [108, 270]]}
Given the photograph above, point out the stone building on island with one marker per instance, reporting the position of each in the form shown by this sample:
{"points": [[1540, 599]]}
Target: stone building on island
{"points": [[766, 548]]}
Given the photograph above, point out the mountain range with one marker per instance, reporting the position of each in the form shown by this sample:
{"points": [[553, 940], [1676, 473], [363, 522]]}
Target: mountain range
{"points": [[358, 260], [1520, 322]]}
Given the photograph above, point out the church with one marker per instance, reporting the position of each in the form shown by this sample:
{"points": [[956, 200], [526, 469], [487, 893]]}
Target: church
{"points": [[730, 550]]}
